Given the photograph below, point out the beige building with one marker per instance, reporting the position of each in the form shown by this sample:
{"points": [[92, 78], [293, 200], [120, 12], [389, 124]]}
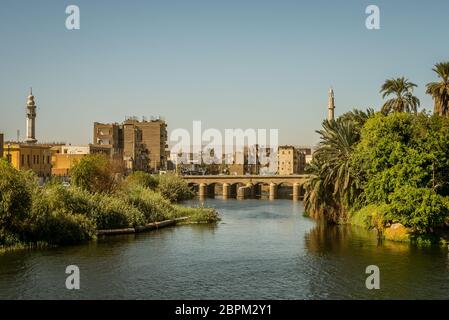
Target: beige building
{"points": [[290, 160], [154, 140], [64, 157], [308, 153], [134, 152], [109, 135], [141, 144]]}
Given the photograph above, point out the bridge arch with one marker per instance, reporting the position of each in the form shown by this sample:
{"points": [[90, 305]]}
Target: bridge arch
{"points": [[230, 183]]}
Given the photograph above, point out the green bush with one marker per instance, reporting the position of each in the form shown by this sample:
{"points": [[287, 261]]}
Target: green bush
{"points": [[174, 188], [61, 227], [54, 214], [94, 173], [143, 179], [418, 208], [152, 204], [15, 198], [80, 201], [197, 214], [112, 212], [371, 216], [8, 239], [51, 219]]}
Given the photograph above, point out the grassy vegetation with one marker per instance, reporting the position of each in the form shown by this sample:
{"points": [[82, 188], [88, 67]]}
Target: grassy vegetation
{"points": [[32, 216]]}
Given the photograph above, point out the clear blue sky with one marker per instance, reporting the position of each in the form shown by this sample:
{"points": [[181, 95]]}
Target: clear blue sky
{"points": [[247, 64]]}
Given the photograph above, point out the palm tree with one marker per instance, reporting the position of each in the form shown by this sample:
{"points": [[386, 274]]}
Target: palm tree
{"points": [[338, 139], [332, 185], [357, 117], [403, 100], [440, 90]]}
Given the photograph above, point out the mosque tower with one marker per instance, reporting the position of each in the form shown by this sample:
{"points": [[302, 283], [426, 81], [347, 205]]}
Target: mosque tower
{"points": [[31, 119], [331, 105]]}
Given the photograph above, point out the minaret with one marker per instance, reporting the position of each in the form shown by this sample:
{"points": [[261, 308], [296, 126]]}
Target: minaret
{"points": [[330, 105], [31, 119]]}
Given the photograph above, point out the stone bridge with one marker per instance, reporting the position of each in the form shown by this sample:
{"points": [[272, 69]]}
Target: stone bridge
{"points": [[245, 186]]}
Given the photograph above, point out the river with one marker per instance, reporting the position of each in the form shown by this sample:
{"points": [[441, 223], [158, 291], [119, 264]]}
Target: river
{"points": [[259, 250]]}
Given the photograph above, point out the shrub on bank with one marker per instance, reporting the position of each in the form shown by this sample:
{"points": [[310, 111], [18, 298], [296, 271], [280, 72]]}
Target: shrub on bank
{"points": [[8, 239], [174, 188], [197, 214], [418, 208], [61, 227], [50, 219], [94, 173], [142, 179], [15, 198], [33, 216], [152, 204], [112, 212]]}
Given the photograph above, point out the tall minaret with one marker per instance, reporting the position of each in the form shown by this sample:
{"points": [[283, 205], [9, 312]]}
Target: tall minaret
{"points": [[330, 105], [31, 119]]}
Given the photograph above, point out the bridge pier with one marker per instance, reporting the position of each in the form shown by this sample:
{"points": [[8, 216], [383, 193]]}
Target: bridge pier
{"points": [[273, 191], [242, 193], [252, 190], [226, 190], [296, 191], [202, 190], [211, 190]]}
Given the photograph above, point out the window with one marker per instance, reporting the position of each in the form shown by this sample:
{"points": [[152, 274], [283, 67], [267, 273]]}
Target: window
{"points": [[48, 159], [22, 162], [28, 159]]}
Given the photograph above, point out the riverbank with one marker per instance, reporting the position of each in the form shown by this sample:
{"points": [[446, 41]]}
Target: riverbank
{"points": [[32, 216], [370, 218], [138, 229], [110, 232], [383, 171]]}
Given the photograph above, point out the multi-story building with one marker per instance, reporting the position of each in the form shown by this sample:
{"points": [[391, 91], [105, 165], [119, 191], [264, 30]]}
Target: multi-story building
{"points": [[64, 157], [154, 140], [110, 135], [141, 144], [308, 153], [290, 160], [134, 152]]}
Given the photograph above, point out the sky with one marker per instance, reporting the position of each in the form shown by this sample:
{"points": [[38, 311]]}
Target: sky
{"points": [[230, 64]]}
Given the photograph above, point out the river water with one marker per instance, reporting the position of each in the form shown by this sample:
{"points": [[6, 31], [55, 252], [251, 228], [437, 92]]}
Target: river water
{"points": [[259, 250]]}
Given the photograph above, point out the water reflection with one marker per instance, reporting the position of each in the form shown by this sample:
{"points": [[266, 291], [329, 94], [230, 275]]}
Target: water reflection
{"points": [[407, 272], [260, 249]]}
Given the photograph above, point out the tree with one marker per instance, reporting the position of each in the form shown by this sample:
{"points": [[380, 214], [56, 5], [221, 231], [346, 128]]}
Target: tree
{"points": [[94, 173], [174, 188], [332, 186], [440, 90], [318, 199], [401, 164], [403, 100], [141, 178], [15, 198]]}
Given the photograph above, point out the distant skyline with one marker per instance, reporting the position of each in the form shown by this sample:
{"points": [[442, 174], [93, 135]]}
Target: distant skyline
{"points": [[230, 64]]}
